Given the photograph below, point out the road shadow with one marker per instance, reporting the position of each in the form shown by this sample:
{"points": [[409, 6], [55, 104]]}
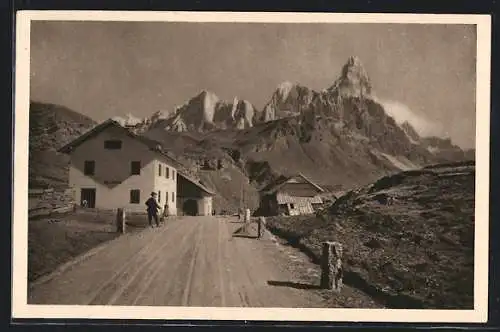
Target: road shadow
{"points": [[241, 232], [296, 285], [246, 236]]}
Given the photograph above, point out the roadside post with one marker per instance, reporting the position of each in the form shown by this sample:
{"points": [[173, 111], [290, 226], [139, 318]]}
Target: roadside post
{"points": [[120, 221], [246, 220], [260, 227], [331, 266]]}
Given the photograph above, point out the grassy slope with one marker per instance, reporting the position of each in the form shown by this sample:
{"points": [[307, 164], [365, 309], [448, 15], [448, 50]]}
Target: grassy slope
{"points": [[228, 183], [417, 252], [55, 240], [51, 126], [321, 150], [320, 163]]}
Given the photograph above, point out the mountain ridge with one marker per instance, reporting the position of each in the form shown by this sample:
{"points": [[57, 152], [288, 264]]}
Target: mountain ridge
{"points": [[339, 136]]}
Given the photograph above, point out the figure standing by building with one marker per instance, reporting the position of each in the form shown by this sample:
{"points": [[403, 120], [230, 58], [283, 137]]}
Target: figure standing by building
{"points": [[165, 212], [152, 208]]}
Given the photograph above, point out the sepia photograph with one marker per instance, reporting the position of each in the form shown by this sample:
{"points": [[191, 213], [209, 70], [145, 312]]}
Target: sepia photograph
{"points": [[324, 167]]}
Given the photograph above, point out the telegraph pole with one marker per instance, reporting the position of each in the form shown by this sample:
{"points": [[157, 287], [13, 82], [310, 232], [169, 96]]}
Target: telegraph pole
{"points": [[241, 195]]}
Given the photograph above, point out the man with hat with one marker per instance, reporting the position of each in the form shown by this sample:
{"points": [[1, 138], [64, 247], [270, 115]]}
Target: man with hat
{"points": [[152, 208]]}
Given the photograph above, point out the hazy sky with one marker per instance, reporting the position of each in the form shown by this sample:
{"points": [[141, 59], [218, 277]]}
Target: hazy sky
{"points": [[425, 73]]}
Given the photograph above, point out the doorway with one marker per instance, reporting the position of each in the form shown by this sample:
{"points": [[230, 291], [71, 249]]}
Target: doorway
{"points": [[88, 195], [190, 207]]}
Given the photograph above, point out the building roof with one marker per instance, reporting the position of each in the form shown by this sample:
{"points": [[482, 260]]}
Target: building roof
{"points": [[150, 143], [197, 183], [275, 186], [283, 198], [153, 145]]}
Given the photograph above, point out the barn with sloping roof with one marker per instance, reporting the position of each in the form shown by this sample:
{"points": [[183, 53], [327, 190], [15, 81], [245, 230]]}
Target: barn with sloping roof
{"points": [[193, 197], [292, 195]]}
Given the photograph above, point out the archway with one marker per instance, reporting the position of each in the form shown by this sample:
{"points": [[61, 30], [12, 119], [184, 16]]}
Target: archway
{"points": [[190, 207]]}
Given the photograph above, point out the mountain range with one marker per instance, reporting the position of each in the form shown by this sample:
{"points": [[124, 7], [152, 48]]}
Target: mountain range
{"points": [[340, 137]]}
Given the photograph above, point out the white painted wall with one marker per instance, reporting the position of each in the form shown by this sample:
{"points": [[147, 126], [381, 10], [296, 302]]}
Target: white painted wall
{"points": [[119, 196], [166, 185], [114, 165], [205, 206]]}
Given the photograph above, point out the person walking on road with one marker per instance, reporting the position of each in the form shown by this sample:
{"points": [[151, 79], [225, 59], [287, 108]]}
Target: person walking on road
{"points": [[152, 208]]}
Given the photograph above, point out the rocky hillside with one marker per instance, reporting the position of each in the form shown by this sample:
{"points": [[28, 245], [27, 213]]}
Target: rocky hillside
{"points": [[287, 101], [202, 113], [408, 238], [338, 136], [362, 146], [52, 126], [208, 161]]}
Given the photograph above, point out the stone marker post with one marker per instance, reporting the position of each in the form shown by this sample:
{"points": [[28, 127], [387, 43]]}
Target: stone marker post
{"points": [[331, 266], [260, 227], [246, 219], [120, 221]]}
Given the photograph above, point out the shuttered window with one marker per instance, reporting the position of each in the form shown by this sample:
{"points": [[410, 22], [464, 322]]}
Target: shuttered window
{"points": [[113, 145], [135, 168], [89, 167], [135, 196]]}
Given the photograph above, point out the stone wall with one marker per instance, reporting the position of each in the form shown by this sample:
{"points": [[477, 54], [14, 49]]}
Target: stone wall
{"points": [[51, 201]]}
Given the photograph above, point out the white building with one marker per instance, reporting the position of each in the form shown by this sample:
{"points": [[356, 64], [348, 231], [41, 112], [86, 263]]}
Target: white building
{"points": [[111, 168]]}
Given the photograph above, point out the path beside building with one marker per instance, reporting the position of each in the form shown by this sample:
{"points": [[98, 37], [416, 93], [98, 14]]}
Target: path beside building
{"points": [[190, 261]]}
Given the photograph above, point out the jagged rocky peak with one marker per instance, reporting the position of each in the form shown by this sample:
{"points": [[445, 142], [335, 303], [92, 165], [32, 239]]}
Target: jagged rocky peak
{"points": [[206, 111], [292, 99], [209, 103], [353, 81], [283, 90], [195, 114], [410, 131], [159, 115], [128, 120], [207, 94], [289, 99], [244, 114], [176, 124], [234, 107]]}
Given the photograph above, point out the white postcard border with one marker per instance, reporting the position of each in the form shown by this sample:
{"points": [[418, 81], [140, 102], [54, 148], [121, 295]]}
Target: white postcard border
{"points": [[20, 308]]}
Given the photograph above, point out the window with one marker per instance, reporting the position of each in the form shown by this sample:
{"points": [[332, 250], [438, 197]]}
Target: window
{"points": [[292, 206], [173, 196], [166, 196], [167, 172], [135, 168], [159, 196], [89, 167], [113, 144], [159, 170], [135, 196]]}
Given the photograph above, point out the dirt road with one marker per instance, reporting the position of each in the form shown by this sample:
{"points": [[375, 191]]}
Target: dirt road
{"points": [[189, 261]]}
